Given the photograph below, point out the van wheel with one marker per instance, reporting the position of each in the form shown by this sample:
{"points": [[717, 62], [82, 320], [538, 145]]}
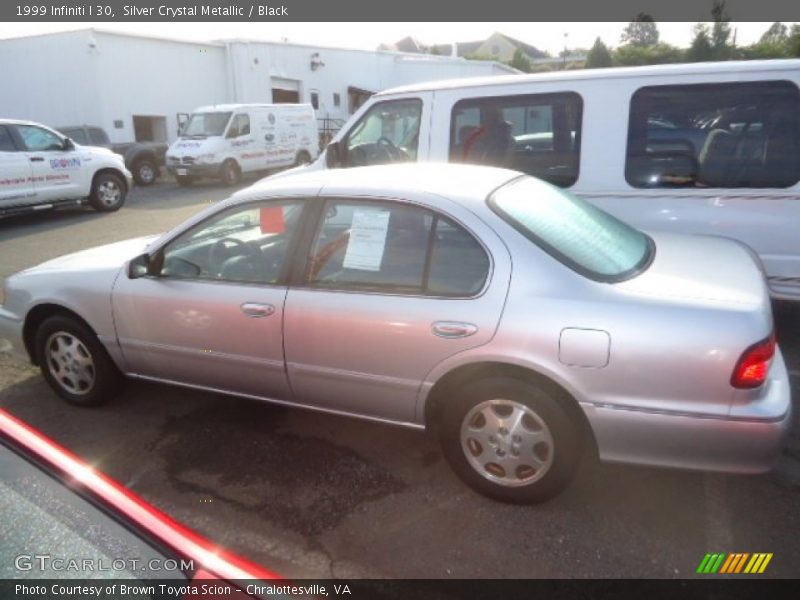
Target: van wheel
{"points": [[184, 180], [108, 192], [74, 362], [303, 158], [510, 440], [231, 174], [145, 171]]}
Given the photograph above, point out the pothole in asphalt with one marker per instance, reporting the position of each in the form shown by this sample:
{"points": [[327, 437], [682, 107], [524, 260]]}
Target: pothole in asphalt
{"points": [[231, 450]]}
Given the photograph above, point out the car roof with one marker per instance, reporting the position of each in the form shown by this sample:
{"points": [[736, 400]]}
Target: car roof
{"points": [[232, 107], [733, 67], [442, 179], [18, 122]]}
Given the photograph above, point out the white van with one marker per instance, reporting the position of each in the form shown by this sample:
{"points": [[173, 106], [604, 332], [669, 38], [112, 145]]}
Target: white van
{"points": [[710, 148], [226, 140]]}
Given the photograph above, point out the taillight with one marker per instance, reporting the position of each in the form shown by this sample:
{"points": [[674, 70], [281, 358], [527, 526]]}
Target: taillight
{"points": [[752, 369]]}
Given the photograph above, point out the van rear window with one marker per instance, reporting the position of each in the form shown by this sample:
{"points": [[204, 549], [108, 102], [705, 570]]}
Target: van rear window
{"points": [[723, 135], [538, 134], [581, 236]]}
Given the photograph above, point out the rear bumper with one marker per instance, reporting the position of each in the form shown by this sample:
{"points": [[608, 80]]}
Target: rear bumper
{"points": [[749, 441]]}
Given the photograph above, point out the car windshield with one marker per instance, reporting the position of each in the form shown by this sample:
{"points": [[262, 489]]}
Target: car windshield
{"points": [[206, 124], [583, 237]]}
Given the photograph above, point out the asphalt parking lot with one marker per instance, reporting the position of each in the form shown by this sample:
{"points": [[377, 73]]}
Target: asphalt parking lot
{"points": [[311, 495]]}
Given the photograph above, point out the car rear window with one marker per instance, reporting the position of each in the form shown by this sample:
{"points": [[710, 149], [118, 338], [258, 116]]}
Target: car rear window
{"points": [[581, 236]]}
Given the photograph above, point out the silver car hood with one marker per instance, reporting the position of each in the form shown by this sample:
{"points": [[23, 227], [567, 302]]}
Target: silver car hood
{"points": [[98, 258], [704, 269]]}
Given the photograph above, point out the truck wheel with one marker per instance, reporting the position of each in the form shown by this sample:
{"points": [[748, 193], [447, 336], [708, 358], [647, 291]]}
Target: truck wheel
{"points": [[108, 192], [510, 440], [184, 180], [145, 171], [231, 174], [303, 158], [74, 362]]}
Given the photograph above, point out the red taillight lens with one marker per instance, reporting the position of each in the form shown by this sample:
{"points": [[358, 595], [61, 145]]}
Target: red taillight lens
{"points": [[752, 368]]}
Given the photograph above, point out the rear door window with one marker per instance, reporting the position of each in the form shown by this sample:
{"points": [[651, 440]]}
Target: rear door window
{"points": [[724, 135], [538, 134]]}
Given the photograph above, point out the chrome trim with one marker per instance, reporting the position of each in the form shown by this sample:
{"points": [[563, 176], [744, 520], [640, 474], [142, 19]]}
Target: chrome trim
{"points": [[344, 375], [341, 413], [680, 413]]}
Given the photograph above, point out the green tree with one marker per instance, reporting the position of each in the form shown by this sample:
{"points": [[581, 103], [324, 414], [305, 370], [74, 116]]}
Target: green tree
{"points": [[642, 31], [777, 33], [794, 41], [701, 49], [657, 54], [520, 61], [599, 56], [721, 48]]}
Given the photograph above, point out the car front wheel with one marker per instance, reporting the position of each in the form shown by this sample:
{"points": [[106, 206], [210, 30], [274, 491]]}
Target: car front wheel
{"points": [[74, 362], [108, 193], [510, 439]]}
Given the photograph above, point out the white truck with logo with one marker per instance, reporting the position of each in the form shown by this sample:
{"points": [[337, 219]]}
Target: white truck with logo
{"points": [[41, 169], [226, 140]]}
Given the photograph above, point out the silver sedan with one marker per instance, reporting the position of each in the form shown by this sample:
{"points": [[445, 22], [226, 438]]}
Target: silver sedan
{"points": [[520, 324]]}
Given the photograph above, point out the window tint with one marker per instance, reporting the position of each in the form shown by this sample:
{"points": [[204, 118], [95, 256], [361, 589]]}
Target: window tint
{"points": [[243, 244], [98, 136], [37, 139], [6, 143], [396, 248], [537, 134], [388, 132], [576, 233], [715, 135]]}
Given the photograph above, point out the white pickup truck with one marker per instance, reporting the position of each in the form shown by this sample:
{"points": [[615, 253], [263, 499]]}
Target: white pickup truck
{"points": [[40, 169]]}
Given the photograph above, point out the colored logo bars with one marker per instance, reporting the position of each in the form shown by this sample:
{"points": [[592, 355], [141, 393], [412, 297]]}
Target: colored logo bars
{"points": [[740, 562]]}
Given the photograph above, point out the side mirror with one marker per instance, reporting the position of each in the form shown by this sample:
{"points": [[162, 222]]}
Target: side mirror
{"points": [[333, 155], [68, 144], [142, 266]]}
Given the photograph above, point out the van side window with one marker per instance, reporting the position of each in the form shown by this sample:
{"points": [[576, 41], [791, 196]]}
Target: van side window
{"points": [[538, 134], [6, 143], [239, 127], [723, 135], [387, 133]]}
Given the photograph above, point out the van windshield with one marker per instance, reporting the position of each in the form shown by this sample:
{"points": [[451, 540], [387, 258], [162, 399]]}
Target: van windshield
{"points": [[579, 235], [206, 124]]}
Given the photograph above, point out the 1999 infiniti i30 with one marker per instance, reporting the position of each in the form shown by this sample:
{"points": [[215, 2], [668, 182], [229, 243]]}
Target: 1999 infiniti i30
{"points": [[519, 323]]}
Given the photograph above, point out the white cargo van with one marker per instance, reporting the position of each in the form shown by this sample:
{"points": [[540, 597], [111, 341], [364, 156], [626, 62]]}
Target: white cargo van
{"points": [[226, 140], [710, 148]]}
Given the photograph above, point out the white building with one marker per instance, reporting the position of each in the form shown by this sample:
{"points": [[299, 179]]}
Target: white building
{"points": [[135, 87]]}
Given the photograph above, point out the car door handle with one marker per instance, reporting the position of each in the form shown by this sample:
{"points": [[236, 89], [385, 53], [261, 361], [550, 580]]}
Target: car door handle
{"points": [[453, 329], [37, 159], [256, 310]]}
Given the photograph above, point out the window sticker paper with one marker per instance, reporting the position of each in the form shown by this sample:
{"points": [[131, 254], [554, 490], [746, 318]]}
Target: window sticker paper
{"points": [[367, 240]]}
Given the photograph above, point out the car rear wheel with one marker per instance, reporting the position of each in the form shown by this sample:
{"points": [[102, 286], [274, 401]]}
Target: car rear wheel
{"points": [[74, 362], [108, 192], [510, 440], [184, 180], [303, 158], [145, 171], [230, 173]]}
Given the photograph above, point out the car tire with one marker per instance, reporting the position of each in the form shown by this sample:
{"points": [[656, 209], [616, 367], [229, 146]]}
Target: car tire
{"points": [[303, 158], [230, 173], [184, 180], [510, 440], [145, 171], [108, 192], [74, 362]]}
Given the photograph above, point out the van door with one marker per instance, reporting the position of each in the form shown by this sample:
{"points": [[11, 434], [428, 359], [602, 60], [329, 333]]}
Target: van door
{"points": [[242, 143], [389, 131]]}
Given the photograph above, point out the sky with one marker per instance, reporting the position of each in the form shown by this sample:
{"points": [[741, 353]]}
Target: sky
{"points": [[367, 36]]}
